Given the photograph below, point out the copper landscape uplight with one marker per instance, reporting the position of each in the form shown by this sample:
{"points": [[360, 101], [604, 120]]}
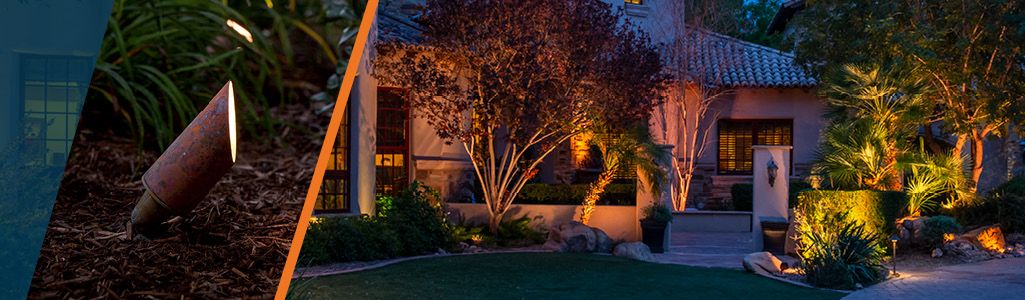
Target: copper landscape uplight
{"points": [[190, 167]]}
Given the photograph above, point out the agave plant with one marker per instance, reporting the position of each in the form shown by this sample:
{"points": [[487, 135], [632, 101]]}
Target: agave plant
{"points": [[837, 251]]}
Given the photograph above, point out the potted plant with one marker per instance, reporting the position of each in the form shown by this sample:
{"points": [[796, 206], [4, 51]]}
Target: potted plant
{"points": [[653, 226]]}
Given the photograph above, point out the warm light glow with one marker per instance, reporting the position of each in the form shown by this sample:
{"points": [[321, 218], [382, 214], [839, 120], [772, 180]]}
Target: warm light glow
{"points": [[476, 238], [231, 119], [270, 4], [314, 220], [580, 148], [241, 30], [948, 237], [948, 205]]}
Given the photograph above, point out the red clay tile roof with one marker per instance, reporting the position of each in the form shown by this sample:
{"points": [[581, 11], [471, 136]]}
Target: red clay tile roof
{"points": [[724, 60], [728, 61]]}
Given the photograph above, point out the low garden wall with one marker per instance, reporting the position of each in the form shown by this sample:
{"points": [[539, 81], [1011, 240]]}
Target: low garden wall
{"points": [[619, 222]]}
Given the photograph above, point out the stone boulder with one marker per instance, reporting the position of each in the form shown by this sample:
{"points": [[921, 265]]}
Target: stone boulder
{"points": [[633, 250], [572, 237], [989, 238], [602, 243], [763, 263]]}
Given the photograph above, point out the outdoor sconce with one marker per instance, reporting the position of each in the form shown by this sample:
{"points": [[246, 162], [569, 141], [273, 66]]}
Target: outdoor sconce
{"points": [[894, 239], [772, 169], [190, 167]]}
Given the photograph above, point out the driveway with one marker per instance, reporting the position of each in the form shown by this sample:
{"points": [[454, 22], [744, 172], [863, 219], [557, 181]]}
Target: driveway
{"points": [[993, 279]]}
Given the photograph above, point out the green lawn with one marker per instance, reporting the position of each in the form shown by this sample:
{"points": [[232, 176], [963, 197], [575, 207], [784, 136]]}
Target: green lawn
{"points": [[548, 275]]}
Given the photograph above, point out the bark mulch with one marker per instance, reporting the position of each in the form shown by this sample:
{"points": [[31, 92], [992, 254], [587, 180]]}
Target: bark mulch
{"points": [[233, 245]]}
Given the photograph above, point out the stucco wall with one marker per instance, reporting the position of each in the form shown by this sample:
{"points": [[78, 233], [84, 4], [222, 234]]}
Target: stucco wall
{"points": [[619, 222]]}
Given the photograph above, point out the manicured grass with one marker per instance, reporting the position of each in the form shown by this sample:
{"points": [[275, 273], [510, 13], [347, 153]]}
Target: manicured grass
{"points": [[548, 275]]}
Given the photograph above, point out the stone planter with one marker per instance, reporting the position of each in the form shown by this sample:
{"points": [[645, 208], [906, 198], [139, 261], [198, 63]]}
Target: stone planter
{"points": [[653, 234]]}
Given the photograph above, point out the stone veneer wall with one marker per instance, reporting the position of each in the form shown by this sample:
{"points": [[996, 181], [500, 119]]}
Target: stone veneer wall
{"points": [[710, 191]]}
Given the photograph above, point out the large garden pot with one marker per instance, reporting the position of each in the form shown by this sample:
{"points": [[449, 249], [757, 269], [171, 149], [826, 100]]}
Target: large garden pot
{"points": [[653, 234]]}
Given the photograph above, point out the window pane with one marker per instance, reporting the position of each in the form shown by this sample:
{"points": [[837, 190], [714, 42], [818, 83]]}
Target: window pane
{"points": [[57, 127]]}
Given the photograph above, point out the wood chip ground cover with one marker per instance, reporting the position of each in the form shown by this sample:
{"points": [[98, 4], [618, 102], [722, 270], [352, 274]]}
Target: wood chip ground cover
{"points": [[233, 245]]}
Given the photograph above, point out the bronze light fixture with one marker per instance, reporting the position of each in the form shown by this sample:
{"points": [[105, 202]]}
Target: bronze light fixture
{"points": [[894, 239], [190, 167]]}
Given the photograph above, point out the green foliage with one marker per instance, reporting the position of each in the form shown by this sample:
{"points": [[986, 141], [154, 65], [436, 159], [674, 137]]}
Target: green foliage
{"points": [[853, 155], [1004, 205], [572, 194], [161, 60], [342, 239], [411, 223], [876, 210], [841, 253], [523, 231], [936, 227], [658, 212], [743, 194], [417, 218]]}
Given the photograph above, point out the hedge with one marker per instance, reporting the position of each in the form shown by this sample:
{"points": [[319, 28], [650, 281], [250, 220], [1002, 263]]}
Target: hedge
{"points": [[878, 210], [570, 194], [1004, 204]]}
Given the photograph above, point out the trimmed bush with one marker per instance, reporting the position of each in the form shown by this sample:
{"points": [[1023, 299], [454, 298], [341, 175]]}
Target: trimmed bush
{"points": [[411, 223], [570, 194], [936, 227], [416, 217], [342, 239], [877, 210], [743, 194]]}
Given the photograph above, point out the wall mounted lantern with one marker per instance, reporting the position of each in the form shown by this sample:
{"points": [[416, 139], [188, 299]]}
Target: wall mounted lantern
{"points": [[772, 168], [190, 167]]}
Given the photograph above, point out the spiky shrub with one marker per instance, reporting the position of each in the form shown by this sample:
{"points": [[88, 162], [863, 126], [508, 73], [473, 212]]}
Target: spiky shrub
{"points": [[658, 212], [1004, 204], [840, 254]]}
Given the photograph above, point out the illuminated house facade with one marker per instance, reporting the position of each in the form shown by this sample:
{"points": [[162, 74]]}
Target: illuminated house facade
{"points": [[382, 148]]}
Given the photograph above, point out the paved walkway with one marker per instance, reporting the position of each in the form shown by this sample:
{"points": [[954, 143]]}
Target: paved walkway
{"points": [[712, 249], [992, 279]]}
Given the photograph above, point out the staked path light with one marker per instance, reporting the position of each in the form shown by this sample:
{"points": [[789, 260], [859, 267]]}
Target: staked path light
{"points": [[190, 167], [894, 239]]}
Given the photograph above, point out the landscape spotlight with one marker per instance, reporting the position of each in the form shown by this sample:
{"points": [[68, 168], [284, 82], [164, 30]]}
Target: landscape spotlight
{"points": [[190, 167]]}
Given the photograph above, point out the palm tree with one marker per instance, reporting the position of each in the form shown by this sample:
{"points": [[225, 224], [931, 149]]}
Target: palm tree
{"points": [[634, 146], [879, 108]]}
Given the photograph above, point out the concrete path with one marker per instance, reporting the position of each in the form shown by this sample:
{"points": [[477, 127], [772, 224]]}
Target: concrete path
{"points": [[711, 249], [993, 279]]}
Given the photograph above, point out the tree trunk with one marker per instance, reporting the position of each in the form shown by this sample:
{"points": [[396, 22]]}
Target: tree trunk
{"points": [[930, 140], [977, 156], [494, 221], [595, 192]]}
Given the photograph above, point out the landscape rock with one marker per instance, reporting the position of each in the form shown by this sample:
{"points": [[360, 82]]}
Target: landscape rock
{"points": [[1019, 250], [989, 238], [633, 250], [603, 244], [936, 253], [763, 263], [577, 237]]}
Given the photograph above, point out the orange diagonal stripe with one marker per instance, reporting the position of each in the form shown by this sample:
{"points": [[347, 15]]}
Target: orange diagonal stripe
{"points": [[325, 150]]}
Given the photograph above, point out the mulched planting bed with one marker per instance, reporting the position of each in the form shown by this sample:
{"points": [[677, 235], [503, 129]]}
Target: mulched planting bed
{"points": [[233, 245]]}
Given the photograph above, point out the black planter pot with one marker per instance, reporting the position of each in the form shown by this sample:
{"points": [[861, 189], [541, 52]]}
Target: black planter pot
{"points": [[653, 234]]}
